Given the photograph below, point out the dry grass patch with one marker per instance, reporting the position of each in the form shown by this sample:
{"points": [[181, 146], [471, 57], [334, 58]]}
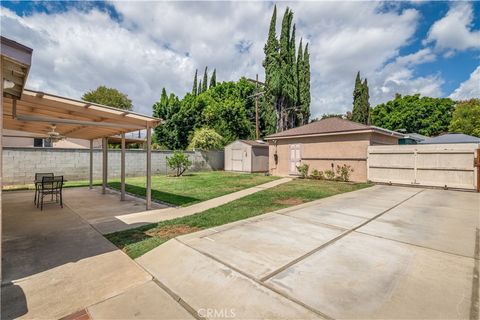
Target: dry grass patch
{"points": [[169, 232], [290, 201]]}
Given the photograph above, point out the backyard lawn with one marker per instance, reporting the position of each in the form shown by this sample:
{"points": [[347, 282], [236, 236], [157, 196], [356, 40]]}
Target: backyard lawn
{"points": [[138, 241], [193, 187]]}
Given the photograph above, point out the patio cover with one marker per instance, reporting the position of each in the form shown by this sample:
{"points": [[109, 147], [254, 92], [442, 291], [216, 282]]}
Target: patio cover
{"points": [[36, 111]]}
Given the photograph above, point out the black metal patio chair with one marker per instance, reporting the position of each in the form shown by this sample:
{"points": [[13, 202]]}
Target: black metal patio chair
{"points": [[51, 186], [38, 182]]}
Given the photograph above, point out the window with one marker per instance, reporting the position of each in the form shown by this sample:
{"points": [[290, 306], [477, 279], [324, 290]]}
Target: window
{"points": [[41, 143], [38, 143]]}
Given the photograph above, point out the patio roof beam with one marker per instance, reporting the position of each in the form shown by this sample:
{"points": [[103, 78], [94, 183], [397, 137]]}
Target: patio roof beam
{"points": [[104, 164], [122, 169], [75, 122], [90, 174]]}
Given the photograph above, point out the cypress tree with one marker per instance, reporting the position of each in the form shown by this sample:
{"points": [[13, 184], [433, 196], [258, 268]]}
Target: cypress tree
{"points": [[194, 89], [306, 98], [283, 72], [366, 103], [294, 77], [205, 80], [300, 74], [213, 79], [200, 87], [360, 101]]}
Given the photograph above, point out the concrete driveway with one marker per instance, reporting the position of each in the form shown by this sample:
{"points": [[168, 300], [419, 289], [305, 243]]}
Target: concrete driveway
{"points": [[382, 252]]}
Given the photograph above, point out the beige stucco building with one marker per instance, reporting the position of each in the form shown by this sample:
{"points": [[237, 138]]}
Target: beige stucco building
{"points": [[325, 144]]}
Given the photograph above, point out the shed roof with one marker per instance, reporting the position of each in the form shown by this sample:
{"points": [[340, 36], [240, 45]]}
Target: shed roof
{"points": [[36, 111], [330, 126], [255, 143], [451, 138]]}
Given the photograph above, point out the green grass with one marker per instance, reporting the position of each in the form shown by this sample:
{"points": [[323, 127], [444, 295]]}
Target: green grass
{"points": [[136, 242], [193, 187]]}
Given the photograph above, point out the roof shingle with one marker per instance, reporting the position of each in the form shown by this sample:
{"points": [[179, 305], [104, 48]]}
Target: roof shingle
{"points": [[329, 125]]}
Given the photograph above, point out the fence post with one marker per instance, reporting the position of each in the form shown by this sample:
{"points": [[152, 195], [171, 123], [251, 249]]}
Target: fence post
{"points": [[477, 164]]}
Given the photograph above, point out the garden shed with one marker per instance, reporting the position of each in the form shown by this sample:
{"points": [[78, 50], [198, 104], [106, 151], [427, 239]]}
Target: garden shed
{"points": [[246, 156]]}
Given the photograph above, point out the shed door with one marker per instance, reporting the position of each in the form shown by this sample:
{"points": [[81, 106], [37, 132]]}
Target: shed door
{"points": [[237, 159], [295, 158]]}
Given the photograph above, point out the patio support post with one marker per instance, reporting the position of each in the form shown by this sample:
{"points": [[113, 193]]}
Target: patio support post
{"points": [[104, 164], [122, 169], [90, 176], [149, 168]]}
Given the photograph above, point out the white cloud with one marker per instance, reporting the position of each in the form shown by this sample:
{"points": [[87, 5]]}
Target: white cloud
{"points": [[159, 44], [469, 88], [454, 31]]}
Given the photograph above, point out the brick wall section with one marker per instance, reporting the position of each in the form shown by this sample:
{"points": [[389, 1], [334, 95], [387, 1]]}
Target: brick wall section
{"points": [[21, 164]]}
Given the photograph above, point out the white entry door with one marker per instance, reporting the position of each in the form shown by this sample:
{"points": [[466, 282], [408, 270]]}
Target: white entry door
{"points": [[295, 158], [237, 159]]}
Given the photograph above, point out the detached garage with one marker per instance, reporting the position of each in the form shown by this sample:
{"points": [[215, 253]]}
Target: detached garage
{"points": [[246, 156], [324, 144]]}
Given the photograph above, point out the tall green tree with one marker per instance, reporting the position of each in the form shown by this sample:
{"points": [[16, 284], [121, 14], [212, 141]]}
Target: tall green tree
{"points": [[282, 73], [361, 105], [466, 118], [366, 101], [195, 88], [305, 88], [205, 80], [109, 97], [213, 79], [414, 114], [224, 108], [200, 87]]}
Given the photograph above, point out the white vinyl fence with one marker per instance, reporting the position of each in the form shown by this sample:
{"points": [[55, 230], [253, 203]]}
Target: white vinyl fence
{"points": [[438, 165]]}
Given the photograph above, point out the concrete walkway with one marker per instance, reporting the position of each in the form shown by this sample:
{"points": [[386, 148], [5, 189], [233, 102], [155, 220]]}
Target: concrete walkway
{"points": [[383, 252], [128, 221]]}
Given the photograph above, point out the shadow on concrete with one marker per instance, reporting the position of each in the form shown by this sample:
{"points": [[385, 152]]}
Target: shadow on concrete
{"points": [[35, 241], [12, 295], [170, 198]]}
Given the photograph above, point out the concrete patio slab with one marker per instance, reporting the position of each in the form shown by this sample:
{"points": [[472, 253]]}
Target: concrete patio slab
{"points": [[147, 301], [364, 277], [447, 227], [100, 209], [260, 246], [207, 285], [54, 263]]}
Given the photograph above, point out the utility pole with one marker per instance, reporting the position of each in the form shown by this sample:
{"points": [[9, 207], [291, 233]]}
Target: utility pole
{"points": [[257, 124], [256, 95]]}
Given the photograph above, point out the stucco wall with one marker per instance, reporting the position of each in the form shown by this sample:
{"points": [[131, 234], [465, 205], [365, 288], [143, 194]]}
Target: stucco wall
{"points": [[20, 164], [323, 153]]}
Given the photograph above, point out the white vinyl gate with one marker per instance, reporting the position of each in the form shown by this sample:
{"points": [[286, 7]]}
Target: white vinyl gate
{"points": [[439, 165]]}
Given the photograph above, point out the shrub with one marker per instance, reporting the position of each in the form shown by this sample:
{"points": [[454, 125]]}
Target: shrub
{"points": [[206, 139], [178, 162], [344, 172], [317, 175], [329, 174], [303, 170]]}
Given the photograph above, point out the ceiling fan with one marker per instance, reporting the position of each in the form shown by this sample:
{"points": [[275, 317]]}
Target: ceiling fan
{"points": [[54, 136]]}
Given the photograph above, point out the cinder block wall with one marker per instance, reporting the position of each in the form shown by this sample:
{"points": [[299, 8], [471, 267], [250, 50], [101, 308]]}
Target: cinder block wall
{"points": [[21, 164]]}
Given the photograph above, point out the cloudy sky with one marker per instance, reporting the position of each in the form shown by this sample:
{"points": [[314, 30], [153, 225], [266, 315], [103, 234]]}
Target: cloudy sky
{"points": [[432, 48]]}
